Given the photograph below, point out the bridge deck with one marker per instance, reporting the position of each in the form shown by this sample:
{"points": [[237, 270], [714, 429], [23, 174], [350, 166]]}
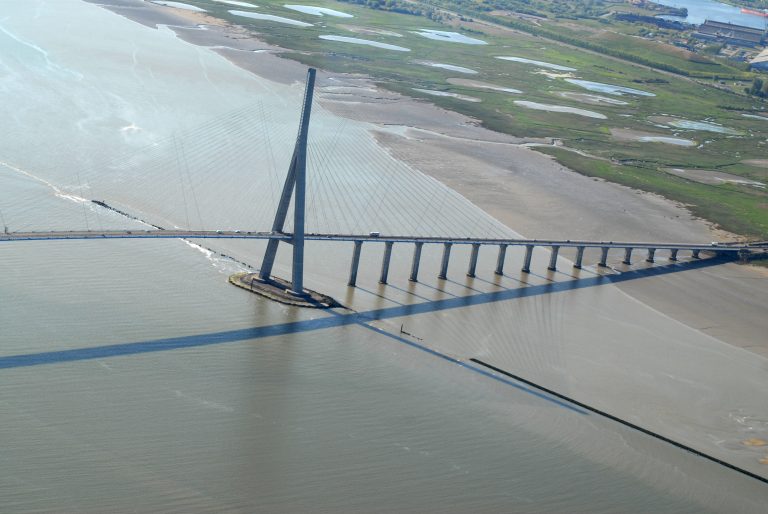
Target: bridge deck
{"points": [[238, 234]]}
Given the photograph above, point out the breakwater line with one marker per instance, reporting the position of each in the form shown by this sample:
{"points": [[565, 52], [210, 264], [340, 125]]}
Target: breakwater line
{"points": [[624, 422]]}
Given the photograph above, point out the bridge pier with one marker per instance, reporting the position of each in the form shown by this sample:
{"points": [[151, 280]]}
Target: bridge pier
{"points": [[527, 260], [385, 262], [500, 260], [415, 264], [444, 265], [673, 255], [627, 256], [579, 257], [355, 264], [473, 260], [651, 253], [695, 254], [603, 257], [553, 259]]}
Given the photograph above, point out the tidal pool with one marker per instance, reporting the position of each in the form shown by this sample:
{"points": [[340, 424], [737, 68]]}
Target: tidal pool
{"points": [[703, 125], [590, 99], [693, 125], [452, 37], [178, 5], [449, 94], [625, 134], [482, 85], [560, 108], [318, 11], [270, 17], [610, 89], [668, 140], [358, 41], [451, 67], [235, 2], [370, 31], [543, 64]]}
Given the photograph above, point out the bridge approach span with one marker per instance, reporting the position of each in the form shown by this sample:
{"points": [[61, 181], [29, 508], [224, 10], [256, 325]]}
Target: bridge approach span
{"points": [[553, 245]]}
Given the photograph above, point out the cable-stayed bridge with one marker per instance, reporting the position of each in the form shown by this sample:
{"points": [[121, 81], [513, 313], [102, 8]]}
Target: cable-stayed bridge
{"points": [[386, 195]]}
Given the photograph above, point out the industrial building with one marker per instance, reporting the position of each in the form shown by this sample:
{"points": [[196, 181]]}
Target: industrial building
{"points": [[729, 33]]}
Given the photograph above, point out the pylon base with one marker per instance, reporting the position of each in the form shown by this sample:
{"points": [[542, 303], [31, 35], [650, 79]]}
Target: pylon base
{"points": [[279, 290]]}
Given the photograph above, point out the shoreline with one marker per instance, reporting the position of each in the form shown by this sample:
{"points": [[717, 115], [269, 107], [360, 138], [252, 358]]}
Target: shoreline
{"points": [[525, 190]]}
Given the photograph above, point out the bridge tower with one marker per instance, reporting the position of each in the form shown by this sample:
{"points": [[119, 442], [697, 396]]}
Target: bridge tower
{"points": [[296, 180]]}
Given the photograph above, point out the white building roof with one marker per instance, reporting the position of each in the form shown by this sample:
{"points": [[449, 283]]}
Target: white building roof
{"points": [[761, 57]]}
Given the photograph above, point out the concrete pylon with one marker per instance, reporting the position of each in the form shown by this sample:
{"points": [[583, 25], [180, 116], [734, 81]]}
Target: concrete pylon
{"points": [[296, 180]]}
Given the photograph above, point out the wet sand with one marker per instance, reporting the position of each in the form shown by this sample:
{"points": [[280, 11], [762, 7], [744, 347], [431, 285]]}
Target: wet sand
{"points": [[525, 190]]}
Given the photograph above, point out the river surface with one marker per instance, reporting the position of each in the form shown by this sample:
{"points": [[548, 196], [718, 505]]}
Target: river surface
{"points": [[134, 378], [701, 10]]}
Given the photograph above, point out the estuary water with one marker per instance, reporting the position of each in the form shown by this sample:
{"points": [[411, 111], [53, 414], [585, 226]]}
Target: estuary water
{"points": [[134, 378], [701, 10]]}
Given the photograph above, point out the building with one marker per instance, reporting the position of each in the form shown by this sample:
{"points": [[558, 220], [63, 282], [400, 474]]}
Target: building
{"points": [[760, 63], [729, 33]]}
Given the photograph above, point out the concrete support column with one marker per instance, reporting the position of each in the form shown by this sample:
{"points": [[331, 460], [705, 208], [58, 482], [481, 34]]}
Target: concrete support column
{"points": [[473, 260], [444, 265], [500, 260], [355, 264], [695, 254], [627, 256], [603, 257], [415, 264], [553, 259], [673, 255], [579, 257], [385, 262], [651, 253], [527, 261]]}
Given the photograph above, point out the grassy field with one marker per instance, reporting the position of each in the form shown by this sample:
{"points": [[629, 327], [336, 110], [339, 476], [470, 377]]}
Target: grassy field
{"points": [[738, 208]]}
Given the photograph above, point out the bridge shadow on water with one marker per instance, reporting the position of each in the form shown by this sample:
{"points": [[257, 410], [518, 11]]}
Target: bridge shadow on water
{"points": [[362, 319], [339, 318]]}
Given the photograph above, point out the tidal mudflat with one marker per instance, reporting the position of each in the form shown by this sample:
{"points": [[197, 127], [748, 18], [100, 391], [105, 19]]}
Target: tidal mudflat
{"points": [[270, 17], [236, 2], [448, 94], [560, 108], [482, 85], [317, 11], [705, 126], [370, 31], [366, 42], [610, 89], [713, 177], [178, 5], [620, 134], [450, 67], [541, 64], [450, 37], [590, 99]]}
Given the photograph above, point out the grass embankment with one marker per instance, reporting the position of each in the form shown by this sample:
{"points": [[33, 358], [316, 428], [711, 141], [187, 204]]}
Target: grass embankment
{"points": [[738, 208]]}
